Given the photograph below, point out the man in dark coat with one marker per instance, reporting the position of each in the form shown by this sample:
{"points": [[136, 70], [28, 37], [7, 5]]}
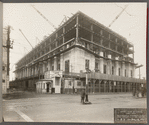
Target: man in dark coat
{"points": [[82, 96]]}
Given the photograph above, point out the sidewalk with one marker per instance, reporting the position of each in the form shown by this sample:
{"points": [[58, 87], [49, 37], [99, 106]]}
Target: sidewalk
{"points": [[26, 94]]}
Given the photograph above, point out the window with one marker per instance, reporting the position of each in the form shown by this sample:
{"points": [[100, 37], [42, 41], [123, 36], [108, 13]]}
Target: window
{"points": [[86, 64], [125, 72], [78, 83], [104, 69], [119, 71], [3, 80], [69, 83], [112, 70], [84, 83], [3, 68], [67, 66], [58, 63], [58, 67], [96, 66], [131, 73]]}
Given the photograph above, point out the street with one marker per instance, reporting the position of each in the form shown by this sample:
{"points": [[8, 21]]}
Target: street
{"points": [[67, 108]]}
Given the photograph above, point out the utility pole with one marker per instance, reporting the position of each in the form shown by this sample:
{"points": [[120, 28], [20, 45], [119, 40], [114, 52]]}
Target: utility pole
{"points": [[86, 89], [8, 46], [139, 66]]}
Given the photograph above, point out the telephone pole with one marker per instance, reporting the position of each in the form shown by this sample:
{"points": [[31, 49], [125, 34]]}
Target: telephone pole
{"points": [[8, 46]]}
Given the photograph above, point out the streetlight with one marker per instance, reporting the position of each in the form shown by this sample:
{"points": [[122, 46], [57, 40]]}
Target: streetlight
{"points": [[87, 71]]}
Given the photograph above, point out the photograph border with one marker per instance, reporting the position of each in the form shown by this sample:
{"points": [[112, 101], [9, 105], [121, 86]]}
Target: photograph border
{"points": [[57, 1]]}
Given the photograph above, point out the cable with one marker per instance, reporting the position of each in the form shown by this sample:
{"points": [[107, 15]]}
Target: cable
{"points": [[25, 37]]}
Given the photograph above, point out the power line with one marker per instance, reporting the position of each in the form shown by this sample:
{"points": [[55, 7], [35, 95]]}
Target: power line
{"points": [[25, 38], [8, 46]]}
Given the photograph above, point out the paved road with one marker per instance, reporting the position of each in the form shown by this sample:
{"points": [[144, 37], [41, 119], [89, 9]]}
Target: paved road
{"points": [[67, 108]]}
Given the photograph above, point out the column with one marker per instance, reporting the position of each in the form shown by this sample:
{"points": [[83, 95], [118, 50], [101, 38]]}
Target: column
{"points": [[36, 70], [94, 80], [61, 62], [40, 68], [124, 86], [24, 72], [123, 69], [31, 70], [27, 72], [114, 86], [101, 62], [121, 86], [128, 70], [110, 86], [46, 65], [43, 66], [116, 66], [133, 71], [104, 86], [99, 84], [19, 74], [49, 68], [129, 87], [109, 65], [55, 63], [117, 86]]}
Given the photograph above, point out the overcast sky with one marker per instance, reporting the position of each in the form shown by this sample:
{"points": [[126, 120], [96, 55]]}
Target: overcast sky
{"points": [[131, 24]]}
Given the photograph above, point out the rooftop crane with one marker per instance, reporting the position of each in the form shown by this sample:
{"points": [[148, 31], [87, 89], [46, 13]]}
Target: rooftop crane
{"points": [[118, 15], [44, 17]]}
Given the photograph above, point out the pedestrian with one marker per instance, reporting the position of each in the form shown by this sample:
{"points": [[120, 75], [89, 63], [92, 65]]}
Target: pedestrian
{"points": [[82, 96]]}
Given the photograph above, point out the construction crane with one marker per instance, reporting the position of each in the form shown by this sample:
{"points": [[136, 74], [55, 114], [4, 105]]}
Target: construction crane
{"points": [[118, 16], [44, 17], [64, 20], [25, 38]]}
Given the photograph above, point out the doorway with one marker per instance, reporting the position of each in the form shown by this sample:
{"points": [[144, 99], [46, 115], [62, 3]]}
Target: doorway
{"points": [[26, 84], [47, 87]]}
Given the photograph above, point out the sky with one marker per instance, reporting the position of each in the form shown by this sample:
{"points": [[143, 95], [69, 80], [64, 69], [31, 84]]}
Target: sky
{"points": [[131, 24]]}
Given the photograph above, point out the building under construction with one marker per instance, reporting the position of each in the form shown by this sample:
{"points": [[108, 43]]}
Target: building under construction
{"points": [[81, 45]]}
